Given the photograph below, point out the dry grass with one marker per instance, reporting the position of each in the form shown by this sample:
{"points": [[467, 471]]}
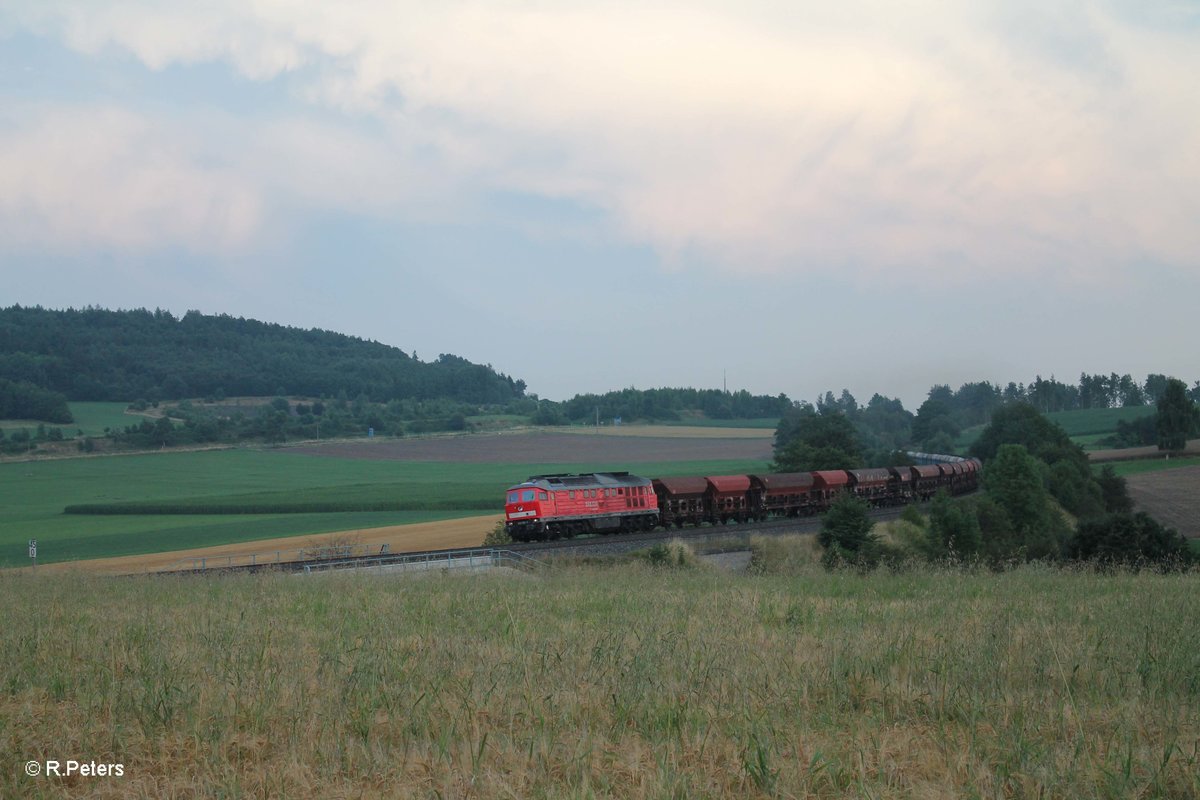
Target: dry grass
{"points": [[596, 682]]}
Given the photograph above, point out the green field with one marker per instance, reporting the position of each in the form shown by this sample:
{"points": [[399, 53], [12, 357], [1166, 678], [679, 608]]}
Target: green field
{"points": [[1086, 426], [91, 418], [33, 495], [608, 681], [1087, 421], [1126, 468]]}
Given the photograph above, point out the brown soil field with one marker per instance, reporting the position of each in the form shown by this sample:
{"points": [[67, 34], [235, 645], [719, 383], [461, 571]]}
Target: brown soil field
{"points": [[673, 431], [1172, 496], [547, 448], [468, 532], [1135, 453]]}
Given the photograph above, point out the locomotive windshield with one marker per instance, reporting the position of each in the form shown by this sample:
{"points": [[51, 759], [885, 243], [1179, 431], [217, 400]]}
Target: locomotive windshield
{"points": [[522, 496]]}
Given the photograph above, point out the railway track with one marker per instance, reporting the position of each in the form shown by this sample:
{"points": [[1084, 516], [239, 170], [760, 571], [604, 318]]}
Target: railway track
{"points": [[718, 537]]}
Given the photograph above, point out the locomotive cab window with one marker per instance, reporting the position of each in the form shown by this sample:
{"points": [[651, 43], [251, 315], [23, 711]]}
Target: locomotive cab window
{"points": [[541, 495], [512, 496], [527, 496]]}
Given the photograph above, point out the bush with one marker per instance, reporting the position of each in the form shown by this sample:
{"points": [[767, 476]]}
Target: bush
{"points": [[671, 555], [912, 516], [497, 536], [953, 529], [1129, 539], [847, 538]]}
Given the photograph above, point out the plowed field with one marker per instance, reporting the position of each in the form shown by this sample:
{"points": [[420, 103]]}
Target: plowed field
{"points": [[1172, 496]]}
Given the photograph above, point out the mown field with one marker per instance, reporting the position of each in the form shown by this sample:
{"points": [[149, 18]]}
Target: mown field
{"points": [[607, 682], [169, 501]]}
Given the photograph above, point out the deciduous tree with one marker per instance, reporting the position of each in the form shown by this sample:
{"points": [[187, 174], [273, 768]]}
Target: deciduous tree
{"points": [[1178, 418]]}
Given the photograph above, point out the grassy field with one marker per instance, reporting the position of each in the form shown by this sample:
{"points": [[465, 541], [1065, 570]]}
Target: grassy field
{"points": [[33, 495], [1085, 421], [1127, 468], [1086, 426], [91, 418], [605, 681]]}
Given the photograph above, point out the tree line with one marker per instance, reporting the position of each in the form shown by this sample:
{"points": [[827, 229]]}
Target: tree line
{"points": [[663, 405], [1032, 474], [97, 354], [838, 433]]}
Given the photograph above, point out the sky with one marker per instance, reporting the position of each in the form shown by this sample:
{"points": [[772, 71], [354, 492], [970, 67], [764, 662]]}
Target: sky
{"points": [[785, 196]]}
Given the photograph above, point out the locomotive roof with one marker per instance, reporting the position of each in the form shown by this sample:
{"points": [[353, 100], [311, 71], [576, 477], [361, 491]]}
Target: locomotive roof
{"points": [[589, 480]]}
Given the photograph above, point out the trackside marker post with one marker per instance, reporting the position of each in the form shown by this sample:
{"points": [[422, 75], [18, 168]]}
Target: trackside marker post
{"points": [[33, 552]]}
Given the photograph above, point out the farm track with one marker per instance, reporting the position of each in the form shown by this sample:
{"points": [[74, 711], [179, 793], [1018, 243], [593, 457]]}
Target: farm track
{"points": [[733, 536]]}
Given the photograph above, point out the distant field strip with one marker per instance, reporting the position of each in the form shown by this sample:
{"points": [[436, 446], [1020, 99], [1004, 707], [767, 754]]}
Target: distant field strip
{"points": [[368, 497], [1087, 421]]}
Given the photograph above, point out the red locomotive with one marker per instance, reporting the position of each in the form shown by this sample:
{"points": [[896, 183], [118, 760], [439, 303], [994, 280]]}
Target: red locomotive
{"points": [[553, 506]]}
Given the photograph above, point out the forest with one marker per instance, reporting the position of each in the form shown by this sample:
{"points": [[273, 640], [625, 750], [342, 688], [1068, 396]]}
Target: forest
{"points": [[97, 354]]}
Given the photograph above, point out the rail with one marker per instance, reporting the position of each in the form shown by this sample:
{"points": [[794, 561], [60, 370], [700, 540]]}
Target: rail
{"points": [[479, 558]]}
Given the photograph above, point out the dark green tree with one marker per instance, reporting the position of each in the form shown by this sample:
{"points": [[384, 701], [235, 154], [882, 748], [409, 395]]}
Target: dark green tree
{"points": [[1013, 479], [806, 440], [1178, 418], [846, 527], [934, 425], [1020, 423], [1114, 490]]}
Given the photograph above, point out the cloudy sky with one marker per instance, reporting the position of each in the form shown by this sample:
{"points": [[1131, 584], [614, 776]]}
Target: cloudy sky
{"points": [[590, 196]]}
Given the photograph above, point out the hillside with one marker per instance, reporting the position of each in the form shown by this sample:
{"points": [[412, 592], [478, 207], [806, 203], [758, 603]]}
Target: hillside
{"points": [[96, 354]]}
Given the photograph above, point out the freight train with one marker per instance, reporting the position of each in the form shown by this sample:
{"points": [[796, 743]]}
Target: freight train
{"points": [[554, 506]]}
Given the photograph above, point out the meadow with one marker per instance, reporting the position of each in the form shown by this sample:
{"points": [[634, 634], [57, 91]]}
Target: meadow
{"points": [[91, 418], [607, 681], [1143, 465], [167, 501], [1086, 426]]}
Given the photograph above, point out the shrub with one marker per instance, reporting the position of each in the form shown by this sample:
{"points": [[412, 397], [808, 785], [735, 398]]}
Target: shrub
{"points": [[497, 536], [1124, 538], [670, 555]]}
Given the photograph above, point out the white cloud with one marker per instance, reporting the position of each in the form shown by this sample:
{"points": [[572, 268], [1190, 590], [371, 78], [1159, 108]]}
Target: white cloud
{"points": [[106, 177], [868, 136]]}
